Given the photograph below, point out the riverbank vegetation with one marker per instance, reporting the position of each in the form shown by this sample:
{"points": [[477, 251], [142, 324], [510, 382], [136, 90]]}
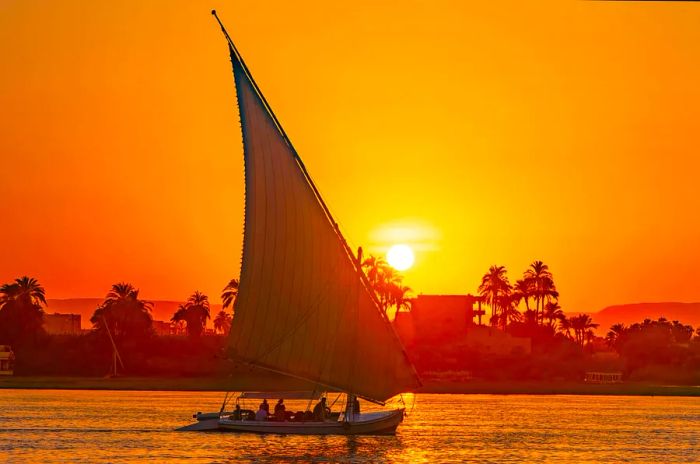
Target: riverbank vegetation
{"points": [[562, 348], [123, 320]]}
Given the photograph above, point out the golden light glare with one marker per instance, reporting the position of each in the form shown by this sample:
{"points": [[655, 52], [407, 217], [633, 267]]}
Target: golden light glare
{"points": [[400, 257]]}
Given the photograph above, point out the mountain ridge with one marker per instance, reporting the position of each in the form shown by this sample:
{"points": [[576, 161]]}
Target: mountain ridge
{"points": [[687, 313]]}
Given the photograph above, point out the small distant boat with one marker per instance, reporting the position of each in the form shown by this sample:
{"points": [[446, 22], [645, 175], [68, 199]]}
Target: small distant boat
{"points": [[305, 309]]}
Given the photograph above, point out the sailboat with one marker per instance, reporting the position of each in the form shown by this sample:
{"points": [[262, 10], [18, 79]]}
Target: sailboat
{"points": [[305, 308]]}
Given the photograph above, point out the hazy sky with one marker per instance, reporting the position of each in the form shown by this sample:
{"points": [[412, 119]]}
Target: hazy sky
{"points": [[480, 134]]}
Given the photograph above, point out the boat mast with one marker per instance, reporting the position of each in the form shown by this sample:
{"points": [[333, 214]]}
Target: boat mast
{"points": [[115, 351]]}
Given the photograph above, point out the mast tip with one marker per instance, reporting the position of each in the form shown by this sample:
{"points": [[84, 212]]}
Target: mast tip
{"points": [[213, 12]]}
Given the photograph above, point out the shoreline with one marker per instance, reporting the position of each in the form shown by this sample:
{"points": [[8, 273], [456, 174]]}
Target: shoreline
{"points": [[472, 387]]}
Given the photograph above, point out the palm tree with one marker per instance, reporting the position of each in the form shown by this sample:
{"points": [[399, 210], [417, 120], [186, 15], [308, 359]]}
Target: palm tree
{"points": [[400, 297], [540, 279], [25, 289], [522, 291], [374, 268], [222, 322], [21, 312], [493, 285], [508, 312], [383, 279], [614, 336], [552, 312], [388, 286], [229, 294], [681, 333], [548, 292], [582, 326], [180, 315], [195, 313], [565, 327], [124, 312]]}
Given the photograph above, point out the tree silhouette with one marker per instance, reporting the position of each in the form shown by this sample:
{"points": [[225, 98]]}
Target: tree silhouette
{"points": [[374, 268], [386, 283], [565, 327], [553, 313], [681, 333], [400, 297], [615, 336], [195, 313], [21, 312], [229, 294], [126, 315], [507, 311], [494, 284], [542, 284], [222, 322], [522, 291], [389, 287], [582, 326], [658, 342]]}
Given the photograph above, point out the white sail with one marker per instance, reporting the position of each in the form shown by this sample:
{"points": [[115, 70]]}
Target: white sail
{"points": [[303, 308]]}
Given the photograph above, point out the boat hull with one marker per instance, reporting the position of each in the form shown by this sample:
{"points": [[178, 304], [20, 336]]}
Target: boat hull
{"points": [[205, 425], [374, 423]]}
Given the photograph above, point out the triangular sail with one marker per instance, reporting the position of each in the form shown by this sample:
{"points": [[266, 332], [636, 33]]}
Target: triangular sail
{"points": [[303, 309]]}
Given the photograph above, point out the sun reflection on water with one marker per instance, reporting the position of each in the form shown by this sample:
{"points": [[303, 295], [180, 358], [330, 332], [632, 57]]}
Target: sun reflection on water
{"points": [[113, 426]]}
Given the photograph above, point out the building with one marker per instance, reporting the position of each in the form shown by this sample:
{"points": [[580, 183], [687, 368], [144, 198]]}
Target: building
{"points": [[449, 320], [62, 324], [165, 328], [436, 317], [162, 328], [7, 360], [490, 340]]}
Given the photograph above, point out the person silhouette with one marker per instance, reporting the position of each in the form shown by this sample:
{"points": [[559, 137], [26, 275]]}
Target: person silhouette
{"points": [[320, 410], [280, 410]]}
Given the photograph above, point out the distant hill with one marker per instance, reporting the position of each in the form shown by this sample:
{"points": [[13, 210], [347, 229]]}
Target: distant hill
{"points": [[162, 310], [687, 313]]}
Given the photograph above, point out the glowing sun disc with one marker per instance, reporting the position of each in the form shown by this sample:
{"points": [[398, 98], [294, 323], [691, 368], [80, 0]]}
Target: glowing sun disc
{"points": [[400, 257]]}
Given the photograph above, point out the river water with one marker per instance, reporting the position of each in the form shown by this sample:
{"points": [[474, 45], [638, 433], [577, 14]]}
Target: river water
{"points": [[120, 426]]}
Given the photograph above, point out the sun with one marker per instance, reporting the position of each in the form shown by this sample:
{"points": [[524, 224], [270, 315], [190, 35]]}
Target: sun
{"points": [[400, 257]]}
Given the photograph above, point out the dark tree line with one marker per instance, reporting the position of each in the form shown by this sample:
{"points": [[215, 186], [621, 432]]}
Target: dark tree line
{"points": [[535, 293], [128, 319], [661, 345]]}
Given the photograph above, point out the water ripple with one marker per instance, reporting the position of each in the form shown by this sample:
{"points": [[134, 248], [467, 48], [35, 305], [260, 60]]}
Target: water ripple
{"points": [[124, 427]]}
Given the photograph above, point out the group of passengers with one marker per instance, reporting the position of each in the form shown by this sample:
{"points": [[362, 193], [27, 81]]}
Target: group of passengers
{"points": [[320, 413]]}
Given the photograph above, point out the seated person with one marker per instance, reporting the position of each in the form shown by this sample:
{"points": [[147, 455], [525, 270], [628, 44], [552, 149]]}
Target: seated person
{"points": [[237, 415], [320, 410], [264, 405], [280, 409], [261, 415]]}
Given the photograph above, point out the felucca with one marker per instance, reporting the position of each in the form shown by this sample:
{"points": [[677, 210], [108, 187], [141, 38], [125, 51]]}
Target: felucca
{"points": [[305, 309]]}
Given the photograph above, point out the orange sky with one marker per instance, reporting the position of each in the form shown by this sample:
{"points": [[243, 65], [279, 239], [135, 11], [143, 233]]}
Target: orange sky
{"points": [[485, 133]]}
